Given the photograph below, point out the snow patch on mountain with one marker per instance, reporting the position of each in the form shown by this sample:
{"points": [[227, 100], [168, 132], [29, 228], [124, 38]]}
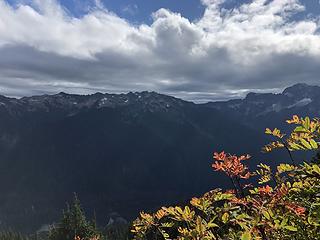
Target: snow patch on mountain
{"points": [[303, 102]]}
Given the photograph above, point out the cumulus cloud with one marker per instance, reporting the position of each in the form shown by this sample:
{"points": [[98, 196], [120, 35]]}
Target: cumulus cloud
{"points": [[257, 46]]}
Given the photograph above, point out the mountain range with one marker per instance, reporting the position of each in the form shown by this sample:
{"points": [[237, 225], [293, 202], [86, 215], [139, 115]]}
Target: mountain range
{"points": [[127, 152]]}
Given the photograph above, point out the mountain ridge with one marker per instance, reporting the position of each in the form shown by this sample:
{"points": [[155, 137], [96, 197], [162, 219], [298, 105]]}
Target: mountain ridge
{"points": [[99, 99], [124, 152], [258, 106]]}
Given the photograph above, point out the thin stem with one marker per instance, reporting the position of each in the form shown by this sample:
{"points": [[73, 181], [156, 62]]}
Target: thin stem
{"points": [[289, 152], [235, 186], [239, 186]]}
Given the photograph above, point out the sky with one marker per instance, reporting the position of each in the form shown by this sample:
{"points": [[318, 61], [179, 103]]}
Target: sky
{"points": [[198, 50]]}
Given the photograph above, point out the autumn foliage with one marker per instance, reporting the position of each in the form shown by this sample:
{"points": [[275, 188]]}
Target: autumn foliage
{"points": [[283, 204]]}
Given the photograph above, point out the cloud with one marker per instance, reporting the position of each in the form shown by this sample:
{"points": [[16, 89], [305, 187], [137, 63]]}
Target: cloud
{"points": [[257, 46], [99, 4], [131, 9]]}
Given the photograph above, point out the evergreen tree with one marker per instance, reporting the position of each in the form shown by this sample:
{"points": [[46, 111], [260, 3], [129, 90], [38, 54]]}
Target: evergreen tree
{"points": [[74, 224]]}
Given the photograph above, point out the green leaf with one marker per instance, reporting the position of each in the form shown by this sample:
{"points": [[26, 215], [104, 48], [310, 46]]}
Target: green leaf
{"points": [[299, 129], [283, 167], [316, 169], [246, 236], [291, 228], [284, 222], [305, 144], [167, 224], [314, 144], [306, 123], [295, 146], [211, 224], [225, 217], [270, 213], [266, 215]]}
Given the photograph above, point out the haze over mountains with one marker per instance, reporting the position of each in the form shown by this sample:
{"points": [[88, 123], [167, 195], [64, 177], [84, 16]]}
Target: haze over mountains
{"points": [[127, 152]]}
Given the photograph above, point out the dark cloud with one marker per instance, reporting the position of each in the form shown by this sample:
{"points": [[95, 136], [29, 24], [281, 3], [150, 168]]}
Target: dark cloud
{"points": [[225, 54]]}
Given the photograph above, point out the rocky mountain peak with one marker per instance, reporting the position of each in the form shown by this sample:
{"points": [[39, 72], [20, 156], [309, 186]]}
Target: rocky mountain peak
{"points": [[302, 90], [293, 99]]}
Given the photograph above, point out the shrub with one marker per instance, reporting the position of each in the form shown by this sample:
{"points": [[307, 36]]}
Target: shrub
{"points": [[284, 204]]}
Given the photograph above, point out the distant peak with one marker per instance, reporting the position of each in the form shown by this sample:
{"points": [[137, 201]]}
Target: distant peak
{"points": [[254, 96], [297, 88]]}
